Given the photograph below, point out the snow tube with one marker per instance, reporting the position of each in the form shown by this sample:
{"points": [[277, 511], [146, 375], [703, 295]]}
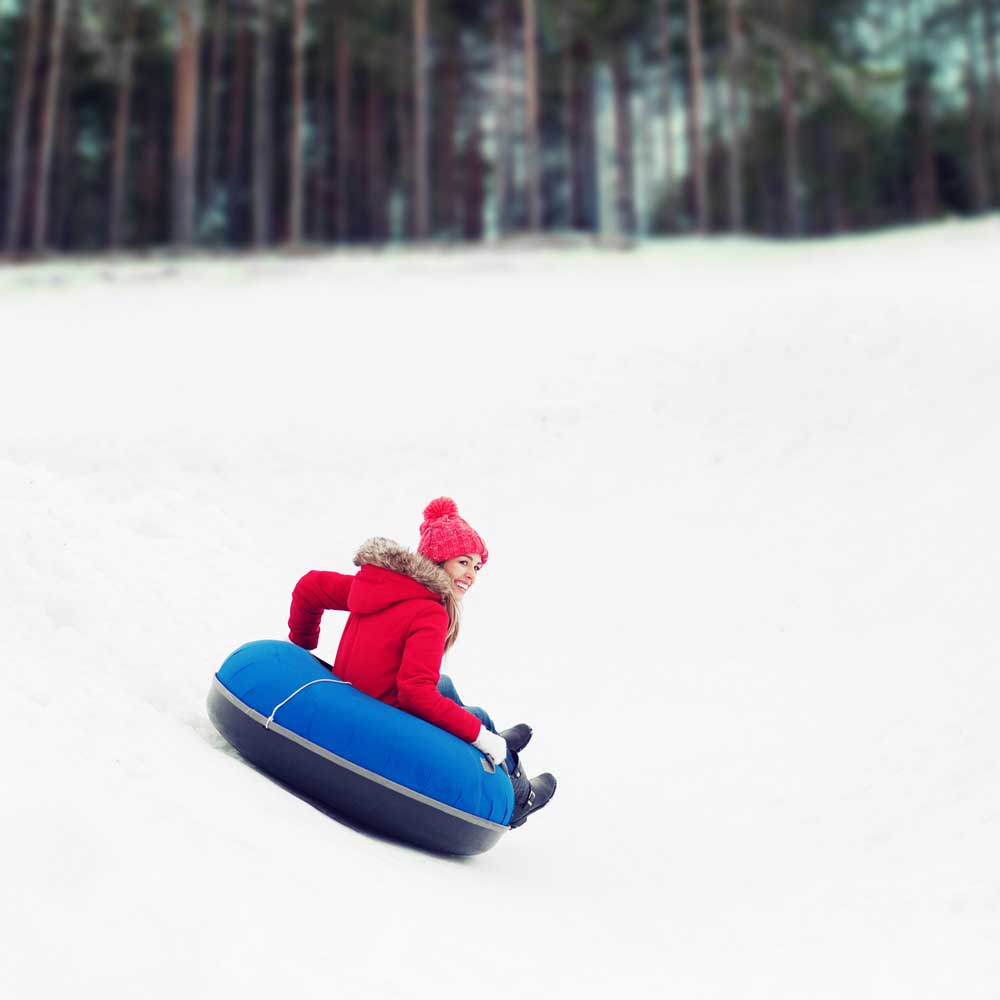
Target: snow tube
{"points": [[287, 713]]}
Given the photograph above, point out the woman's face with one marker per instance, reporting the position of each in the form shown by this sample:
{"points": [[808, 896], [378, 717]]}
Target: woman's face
{"points": [[462, 570]]}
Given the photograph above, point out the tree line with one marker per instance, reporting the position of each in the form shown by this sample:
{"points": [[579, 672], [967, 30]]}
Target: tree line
{"points": [[254, 123]]}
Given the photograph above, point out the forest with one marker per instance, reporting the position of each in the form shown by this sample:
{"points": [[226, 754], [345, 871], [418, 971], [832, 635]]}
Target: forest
{"points": [[232, 124]]}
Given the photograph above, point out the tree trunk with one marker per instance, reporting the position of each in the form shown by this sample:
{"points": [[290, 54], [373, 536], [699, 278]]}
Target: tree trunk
{"points": [[323, 89], [50, 102], [296, 154], [473, 184], [531, 137], [501, 41], [993, 83], [737, 54], [568, 106], [926, 174], [625, 168], [213, 115], [717, 153], [923, 175], [667, 105], [123, 119], [583, 146], [65, 144], [22, 117], [421, 137], [377, 220], [186, 123], [759, 107], [789, 105], [447, 196], [866, 177], [644, 117], [262, 128], [977, 139], [833, 128], [343, 141], [977, 160], [235, 171], [404, 130], [698, 171], [150, 183]]}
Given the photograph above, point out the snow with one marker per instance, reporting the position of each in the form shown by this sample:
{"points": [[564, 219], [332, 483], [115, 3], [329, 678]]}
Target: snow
{"points": [[741, 506]]}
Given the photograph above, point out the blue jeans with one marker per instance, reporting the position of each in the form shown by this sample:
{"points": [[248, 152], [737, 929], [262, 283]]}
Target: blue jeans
{"points": [[446, 687]]}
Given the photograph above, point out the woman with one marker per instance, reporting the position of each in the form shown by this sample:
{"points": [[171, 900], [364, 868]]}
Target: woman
{"points": [[404, 616]]}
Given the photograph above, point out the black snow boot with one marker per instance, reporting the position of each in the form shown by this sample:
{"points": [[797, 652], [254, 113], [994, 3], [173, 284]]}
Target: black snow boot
{"points": [[541, 788], [517, 737], [522, 787]]}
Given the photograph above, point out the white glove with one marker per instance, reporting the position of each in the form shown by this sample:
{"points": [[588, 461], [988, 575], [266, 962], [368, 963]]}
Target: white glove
{"points": [[491, 744]]}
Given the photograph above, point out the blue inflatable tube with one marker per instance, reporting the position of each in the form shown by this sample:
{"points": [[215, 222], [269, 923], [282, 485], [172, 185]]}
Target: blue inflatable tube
{"points": [[375, 765]]}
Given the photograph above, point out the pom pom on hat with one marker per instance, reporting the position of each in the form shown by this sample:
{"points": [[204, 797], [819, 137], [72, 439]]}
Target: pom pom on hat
{"points": [[442, 507], [444, 534]]}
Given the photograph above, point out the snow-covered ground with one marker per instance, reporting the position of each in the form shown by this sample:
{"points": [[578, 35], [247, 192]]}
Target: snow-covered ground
{"points": [[741, 503]]}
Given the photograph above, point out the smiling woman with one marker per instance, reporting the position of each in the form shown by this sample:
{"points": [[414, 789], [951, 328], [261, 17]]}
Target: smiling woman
{"points": [[404, 615], [463, 571]]}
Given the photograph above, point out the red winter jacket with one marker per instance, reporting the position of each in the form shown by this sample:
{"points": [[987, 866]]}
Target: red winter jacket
{"points": [[393, 641]]}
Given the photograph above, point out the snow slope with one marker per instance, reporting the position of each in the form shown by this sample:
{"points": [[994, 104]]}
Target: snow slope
{"points": [[741, 506]]}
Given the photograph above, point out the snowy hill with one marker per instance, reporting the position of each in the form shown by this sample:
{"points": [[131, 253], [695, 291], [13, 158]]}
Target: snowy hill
{"points": [[741, 506]]}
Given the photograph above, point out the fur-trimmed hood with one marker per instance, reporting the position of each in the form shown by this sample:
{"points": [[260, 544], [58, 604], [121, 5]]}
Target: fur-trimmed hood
{"points": [[384, 553]]}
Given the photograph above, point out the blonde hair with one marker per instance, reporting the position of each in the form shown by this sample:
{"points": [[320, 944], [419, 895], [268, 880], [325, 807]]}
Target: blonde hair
{"points": [[452, 606]]}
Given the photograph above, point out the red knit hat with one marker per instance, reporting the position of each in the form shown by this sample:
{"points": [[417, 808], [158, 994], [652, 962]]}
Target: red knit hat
{"points": [[444, 534]]}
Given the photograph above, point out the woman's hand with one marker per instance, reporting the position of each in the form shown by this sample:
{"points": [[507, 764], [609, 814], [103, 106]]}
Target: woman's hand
{"points": [[494, 746]]}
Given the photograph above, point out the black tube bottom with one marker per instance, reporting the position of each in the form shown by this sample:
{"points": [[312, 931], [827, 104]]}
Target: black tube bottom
{"points": [[343, 792]]}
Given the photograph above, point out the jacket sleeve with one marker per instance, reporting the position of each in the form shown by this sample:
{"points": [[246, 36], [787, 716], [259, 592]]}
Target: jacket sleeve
{"points": [[419, 672], [315, 593]]}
